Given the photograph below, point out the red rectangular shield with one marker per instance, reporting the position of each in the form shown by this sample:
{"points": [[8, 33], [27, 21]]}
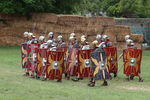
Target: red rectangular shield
{"points": [[55, 64], [72, 67], [32, 56], [85, 66], [132, 61], [111, 60], [41, 62], [24, 55]]}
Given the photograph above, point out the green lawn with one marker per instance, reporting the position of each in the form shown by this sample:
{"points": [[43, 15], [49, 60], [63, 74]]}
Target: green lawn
{"points": [[15, 86]]}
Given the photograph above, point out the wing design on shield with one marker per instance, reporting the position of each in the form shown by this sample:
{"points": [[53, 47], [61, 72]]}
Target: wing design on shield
{"points": [[41, 62], [65, 50], [85, 63], [24, 55], [111, 60], [132, 61], [55, 64]]}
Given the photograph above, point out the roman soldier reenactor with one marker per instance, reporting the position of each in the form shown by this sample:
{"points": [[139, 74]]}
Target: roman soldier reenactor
{"points": [[24, 48], [60, 41], [132, 60], [72, 60], [32, 53], [98, 57]]}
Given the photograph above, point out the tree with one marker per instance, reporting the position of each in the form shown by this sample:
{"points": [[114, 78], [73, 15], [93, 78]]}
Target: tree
{"points": [[25, 7]]}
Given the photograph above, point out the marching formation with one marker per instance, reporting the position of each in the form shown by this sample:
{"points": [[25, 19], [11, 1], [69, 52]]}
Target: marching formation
{"points": [[46, 58]]}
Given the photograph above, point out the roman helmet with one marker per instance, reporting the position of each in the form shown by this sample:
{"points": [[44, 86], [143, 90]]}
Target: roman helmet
{"points": [[30, 35], [50, 35], [72, 35], [41, 38], [59, 37], [98, 37], [25, 34], [127, 37]]}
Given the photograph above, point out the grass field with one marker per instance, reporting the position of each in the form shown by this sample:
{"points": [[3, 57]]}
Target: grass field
{"points": [[15, 86]]}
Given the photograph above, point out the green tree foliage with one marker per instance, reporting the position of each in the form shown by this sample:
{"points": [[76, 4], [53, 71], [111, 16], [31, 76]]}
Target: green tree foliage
{"points": [[115, 8], [127, 8], [25, 6]]}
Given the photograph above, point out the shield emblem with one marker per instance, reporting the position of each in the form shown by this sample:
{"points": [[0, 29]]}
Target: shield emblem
{"points": [[84, 60], [42, 61], [65, 50], [72, 62], [32, 56], [111, 60], [55, 64], [132, 61], [24, 55]]}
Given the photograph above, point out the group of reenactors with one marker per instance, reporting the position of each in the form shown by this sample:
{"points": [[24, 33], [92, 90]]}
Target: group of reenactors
{"points": [[46, 58]]}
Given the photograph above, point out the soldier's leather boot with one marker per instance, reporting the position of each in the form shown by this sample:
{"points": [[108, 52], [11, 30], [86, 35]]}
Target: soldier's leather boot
{"points": [[105, 83], [37, 77], [115, 75], [32, 76], [75, 79], [92, 84], [131, 77], [26, 74], [59, 80]]}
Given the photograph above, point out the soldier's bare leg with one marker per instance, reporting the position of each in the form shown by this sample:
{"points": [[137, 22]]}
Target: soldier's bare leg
{"points": [[140, 78], [127, 78], [32, 74]]}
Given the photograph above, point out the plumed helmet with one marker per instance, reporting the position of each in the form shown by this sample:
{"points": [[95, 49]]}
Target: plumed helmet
{"points": [[59, 37], [72, 34], [50, 34], [30, 35], [41, 38], [127, 37], [25, 34], [98, 36]]}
